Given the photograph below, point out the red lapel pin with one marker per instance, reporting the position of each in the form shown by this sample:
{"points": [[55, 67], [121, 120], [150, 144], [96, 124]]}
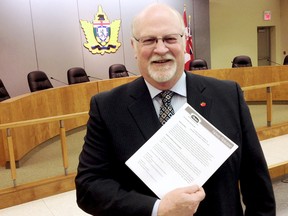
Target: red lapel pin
{"points": [[202, 104]]}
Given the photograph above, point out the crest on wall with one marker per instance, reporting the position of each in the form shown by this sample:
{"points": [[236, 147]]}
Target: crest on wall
{"points": [[101, 35]]}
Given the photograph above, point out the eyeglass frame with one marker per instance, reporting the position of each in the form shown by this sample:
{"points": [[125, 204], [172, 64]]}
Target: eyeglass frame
{"points": [[154, 40]]}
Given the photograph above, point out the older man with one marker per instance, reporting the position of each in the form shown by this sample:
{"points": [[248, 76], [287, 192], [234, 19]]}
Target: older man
{"points": [[123, 119]]}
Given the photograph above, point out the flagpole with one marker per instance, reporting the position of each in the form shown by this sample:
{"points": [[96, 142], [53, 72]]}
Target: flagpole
{"points": [[189, 25], [185, 21]]}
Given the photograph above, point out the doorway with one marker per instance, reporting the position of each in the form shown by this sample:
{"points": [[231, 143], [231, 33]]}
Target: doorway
{"points": [[264, 46]]}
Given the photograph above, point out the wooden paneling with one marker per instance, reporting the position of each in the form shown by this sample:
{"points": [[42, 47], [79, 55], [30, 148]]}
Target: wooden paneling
{"points": [[273, 131], [76, 98], [45, 103], [105, 85], [51, 102], [249, 76], [48, 187], [36, 190]]}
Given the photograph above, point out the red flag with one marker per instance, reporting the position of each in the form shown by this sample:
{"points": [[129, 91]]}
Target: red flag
{"points": [[189, 55]]}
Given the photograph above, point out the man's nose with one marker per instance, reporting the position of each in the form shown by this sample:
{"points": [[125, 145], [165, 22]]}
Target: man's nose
{"points": [[160, 47]]}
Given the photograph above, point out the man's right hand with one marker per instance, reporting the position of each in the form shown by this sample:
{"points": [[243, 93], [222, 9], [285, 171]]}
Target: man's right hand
{"points": [[181, 201]]}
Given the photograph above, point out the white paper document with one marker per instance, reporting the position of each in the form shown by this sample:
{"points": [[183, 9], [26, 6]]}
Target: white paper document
{"points": [[186, 150]]}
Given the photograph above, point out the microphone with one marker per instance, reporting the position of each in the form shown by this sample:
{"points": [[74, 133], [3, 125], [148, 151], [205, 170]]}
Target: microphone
{"points": [[269, 60], [95, 78], [58, 80], [132, 73]]}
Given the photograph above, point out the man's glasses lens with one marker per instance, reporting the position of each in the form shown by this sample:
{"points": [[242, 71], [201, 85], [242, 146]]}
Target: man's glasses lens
{"points": [[168, 39]]}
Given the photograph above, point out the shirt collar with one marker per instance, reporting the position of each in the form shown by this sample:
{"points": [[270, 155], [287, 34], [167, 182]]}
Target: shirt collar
{"points": [[179, 87]]}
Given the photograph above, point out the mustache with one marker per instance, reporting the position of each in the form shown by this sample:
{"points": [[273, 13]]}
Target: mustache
{"points": [[162, 58]]}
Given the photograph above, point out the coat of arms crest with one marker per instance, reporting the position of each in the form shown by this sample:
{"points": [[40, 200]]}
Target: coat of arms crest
{"points": [[101, 35]]}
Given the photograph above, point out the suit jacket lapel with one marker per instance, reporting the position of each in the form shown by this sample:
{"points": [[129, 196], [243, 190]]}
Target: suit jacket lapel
{"points": [[196, 95], [142, 109]]}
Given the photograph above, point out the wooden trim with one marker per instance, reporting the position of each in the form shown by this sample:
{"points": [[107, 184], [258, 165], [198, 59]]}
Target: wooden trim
{"points": [[278, 170], [42, 120], [272, 131], [36, 190], [56, 185], [261, 86]]}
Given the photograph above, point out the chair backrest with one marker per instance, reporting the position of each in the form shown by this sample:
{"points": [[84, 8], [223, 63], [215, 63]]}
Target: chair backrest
{"points": [[3, 92], [241, 61], [117, 70], [285, 62], [38, 80], [77, 75], [198, 64]]}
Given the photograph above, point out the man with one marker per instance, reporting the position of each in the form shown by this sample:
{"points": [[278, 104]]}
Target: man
{"points": [[123, 119]]}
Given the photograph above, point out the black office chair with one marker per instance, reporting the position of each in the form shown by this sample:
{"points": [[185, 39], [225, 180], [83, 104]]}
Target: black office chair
{"points": [[117, 71], [38, 80], [3, 92], [198, 64], [285, 60], [77, 75], [241, 61]]}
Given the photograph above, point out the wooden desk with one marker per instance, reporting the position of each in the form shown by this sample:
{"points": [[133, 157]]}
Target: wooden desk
{"points": [[66, 100], [249, 76], [51, 102], [76, 98]]}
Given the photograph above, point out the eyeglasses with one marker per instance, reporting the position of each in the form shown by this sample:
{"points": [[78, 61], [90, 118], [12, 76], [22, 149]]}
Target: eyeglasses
{"points": [[151, 41]]}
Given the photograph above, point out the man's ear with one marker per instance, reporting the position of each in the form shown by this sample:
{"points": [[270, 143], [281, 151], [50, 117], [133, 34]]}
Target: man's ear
{"points": [[134, 47], [132, 43]]}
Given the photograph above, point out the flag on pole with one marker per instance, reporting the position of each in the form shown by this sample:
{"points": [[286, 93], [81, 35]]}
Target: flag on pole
{"points": [[189, 55]]}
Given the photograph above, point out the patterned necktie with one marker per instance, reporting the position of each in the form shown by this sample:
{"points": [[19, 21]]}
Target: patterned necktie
{"points": [[166, 109]]}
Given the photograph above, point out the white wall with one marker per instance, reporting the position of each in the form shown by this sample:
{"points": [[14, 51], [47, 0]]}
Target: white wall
{"points": [[233, 27], [46, 35]]}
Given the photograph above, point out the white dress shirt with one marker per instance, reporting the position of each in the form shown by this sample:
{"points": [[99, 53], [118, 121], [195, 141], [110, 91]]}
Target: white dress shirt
{"points": [[177, 101]]}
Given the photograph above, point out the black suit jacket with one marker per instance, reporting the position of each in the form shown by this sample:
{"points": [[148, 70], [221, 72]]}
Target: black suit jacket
{"points": [[123, 119]]}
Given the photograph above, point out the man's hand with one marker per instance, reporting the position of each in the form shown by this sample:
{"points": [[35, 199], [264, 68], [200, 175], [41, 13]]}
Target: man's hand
{"points": [[181, 202]]}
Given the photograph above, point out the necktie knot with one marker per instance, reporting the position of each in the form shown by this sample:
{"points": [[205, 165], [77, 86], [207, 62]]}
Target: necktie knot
{"points": [[166, 109], [166, 96]]}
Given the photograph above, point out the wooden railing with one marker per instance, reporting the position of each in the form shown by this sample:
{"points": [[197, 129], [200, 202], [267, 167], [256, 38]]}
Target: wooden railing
{"points": [[269, 97], [62, 132], [56, 101], [75, 98], [10, 126]]}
